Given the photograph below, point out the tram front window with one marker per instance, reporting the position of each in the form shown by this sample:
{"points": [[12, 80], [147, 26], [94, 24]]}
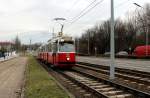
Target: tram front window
{"points": [[66, 47]]}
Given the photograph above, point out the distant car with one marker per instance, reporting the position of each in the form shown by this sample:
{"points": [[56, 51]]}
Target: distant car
{"points": [[122, 53], [107, 54]]}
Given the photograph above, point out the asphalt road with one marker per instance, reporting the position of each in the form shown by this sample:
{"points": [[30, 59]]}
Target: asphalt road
{"points": [[11, 77], [135, 64]]}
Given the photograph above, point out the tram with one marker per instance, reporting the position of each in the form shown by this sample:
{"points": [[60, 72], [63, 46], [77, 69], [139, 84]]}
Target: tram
{"points": [[58, 52]]}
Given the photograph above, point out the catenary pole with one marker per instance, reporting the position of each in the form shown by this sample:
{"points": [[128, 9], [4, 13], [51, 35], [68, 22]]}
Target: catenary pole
{"points": [[112, 44]]}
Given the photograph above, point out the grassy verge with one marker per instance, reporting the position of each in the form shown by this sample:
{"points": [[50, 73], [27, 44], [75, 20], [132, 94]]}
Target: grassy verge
{"points": [[39, 84]]}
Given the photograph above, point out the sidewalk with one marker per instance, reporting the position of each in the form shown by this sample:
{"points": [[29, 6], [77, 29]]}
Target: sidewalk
{"points": [[12, 77]]}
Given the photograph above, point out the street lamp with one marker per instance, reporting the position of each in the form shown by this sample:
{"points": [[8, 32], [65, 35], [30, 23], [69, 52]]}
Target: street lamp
{"points": [[137, 5], [146, 29]]}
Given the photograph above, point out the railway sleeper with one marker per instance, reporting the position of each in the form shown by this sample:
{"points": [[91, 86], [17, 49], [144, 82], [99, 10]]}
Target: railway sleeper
{"points": [[122, 96], [99, 86], [133, 78], [133, 84], [92, 84], [141, 93], [88, 96], [106, 89], [101, 89], [78, 91], [120, 75], [120, 70], [113, 92], [116, 92], [148, 88]]}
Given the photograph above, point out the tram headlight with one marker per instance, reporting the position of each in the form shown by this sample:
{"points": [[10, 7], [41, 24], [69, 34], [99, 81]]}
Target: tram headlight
{"points": [[68, 59]]}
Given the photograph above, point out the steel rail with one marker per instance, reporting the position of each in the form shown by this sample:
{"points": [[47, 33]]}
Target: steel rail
{"points": [[94, 92], [121, 70], [85, 86], [114, 83], [131, 77]]}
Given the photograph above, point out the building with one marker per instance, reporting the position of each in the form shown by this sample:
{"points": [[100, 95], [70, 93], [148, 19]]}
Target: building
{"points": [[8, 46]]}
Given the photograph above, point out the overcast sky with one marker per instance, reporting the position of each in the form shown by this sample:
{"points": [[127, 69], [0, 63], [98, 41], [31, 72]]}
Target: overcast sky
{"points": [[33, 19]]}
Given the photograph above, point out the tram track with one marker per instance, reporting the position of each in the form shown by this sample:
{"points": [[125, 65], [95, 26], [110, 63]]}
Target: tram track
{"points": [[84, 85], [71, 87], [121, 70], [134, 79]]}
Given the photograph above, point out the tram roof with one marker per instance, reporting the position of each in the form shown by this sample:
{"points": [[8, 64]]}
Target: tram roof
{"points": [[64, 38]]}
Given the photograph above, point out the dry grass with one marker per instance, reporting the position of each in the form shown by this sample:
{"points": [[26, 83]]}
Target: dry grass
{"points": [[39, 84]]}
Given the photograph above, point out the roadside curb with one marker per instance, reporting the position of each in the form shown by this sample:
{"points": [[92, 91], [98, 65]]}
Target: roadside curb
{"points": [[8, 59], [22, 95]]}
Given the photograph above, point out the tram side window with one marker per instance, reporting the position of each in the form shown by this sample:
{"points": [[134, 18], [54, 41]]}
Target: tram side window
{"points": [[42, 49], [45, 48], [49, 48], [55, 47]]}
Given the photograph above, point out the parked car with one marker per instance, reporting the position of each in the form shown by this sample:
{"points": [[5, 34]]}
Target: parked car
{"points": [[122, 53], [107, 54]]}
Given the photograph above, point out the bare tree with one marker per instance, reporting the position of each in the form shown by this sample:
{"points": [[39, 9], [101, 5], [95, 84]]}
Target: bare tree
{"points": [[128, 33], [17, 45]]}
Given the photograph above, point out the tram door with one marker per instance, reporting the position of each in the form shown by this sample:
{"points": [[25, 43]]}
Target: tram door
{"points": [[54, 58], [54, 53]]}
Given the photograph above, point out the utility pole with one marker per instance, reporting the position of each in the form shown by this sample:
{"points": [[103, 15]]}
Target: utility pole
{"points": [[147, 40], [78, 45], [88, 43], [112, 45], [30, 45]]}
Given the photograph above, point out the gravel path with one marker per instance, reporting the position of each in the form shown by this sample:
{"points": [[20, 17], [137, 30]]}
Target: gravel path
{"points": [[11, 77]]}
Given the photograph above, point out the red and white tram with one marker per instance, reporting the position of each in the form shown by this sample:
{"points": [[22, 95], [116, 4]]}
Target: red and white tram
{"points": [[59, 52]]}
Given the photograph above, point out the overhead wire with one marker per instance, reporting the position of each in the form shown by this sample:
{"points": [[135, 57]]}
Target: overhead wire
{"points": [[97, 4], [86, 10], [122, 3], [74, 3], [117, 6], [72, 6]]}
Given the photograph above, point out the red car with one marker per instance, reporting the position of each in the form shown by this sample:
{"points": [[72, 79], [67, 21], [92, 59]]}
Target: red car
{"points": [[142, 51]]}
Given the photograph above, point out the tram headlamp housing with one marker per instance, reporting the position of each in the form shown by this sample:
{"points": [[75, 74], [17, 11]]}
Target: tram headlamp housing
{"points": [[68, 59]]}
